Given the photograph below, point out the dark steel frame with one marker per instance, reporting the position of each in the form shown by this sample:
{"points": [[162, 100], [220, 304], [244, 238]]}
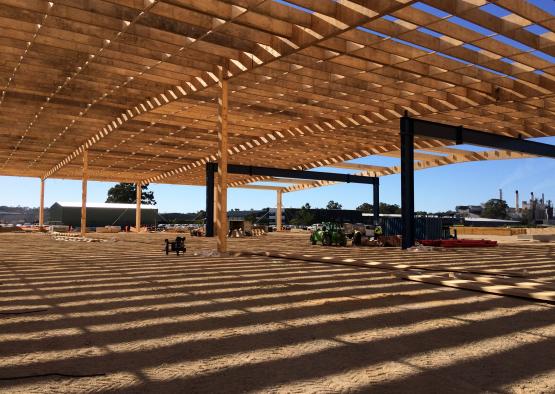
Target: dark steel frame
{"points": [[411, 127], [212, 168]]}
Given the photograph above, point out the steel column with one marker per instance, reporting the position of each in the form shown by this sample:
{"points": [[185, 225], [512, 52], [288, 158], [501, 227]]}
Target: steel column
{"points": [[210, 170], [376, 202], [407, 181]]}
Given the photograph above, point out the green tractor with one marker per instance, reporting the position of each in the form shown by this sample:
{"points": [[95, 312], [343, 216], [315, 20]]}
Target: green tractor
{"points": [[329, 234]]}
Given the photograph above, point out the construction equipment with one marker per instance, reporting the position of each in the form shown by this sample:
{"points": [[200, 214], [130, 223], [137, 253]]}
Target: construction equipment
{"points": [[176, 246], [330, 234], [360, 233]]}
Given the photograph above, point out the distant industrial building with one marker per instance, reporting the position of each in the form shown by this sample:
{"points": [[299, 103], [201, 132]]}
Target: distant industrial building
{"points": [[101, 214], [469, 210], [538, 210], [288, 214]]}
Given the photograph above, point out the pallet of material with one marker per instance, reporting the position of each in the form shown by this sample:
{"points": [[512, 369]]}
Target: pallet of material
{"points": [[500, 231], [108, 229]]}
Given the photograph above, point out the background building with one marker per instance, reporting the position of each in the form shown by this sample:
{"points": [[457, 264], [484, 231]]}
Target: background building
{"points": [[101, 214]]}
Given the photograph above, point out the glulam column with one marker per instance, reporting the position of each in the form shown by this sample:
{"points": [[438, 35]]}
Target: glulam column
{"points": [[278, 209], [221, 185], [41, 208], [139, 195], [84, 193]]}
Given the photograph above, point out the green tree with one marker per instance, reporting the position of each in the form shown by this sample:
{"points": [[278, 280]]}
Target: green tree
{"points": [[445, 213], [333, 205], [200, 216], [495, 209], [251, 217], [303, 217], [386, 208], [365, 207], [127, 193]]}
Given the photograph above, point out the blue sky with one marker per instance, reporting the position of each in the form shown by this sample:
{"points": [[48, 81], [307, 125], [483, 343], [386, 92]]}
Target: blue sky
{"points": [[436, 189]]}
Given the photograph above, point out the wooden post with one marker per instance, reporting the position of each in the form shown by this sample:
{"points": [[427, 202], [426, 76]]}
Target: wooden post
{"points": [[278, 211], [41, 209], [221, 183], [138, 208], [84, 193]]}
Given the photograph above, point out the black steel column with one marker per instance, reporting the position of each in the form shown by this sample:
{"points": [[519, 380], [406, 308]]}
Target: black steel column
{"points": [[407, 181], [376, 202], [210, 171]]}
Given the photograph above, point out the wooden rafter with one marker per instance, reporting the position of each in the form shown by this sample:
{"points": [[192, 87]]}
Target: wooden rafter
{"points": [[321, 83]]}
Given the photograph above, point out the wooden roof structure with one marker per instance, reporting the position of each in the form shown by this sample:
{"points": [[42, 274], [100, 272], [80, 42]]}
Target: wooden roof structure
{"points": [[135, 83]]}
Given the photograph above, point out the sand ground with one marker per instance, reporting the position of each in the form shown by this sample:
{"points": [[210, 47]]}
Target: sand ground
{"points": [[120, 316]]}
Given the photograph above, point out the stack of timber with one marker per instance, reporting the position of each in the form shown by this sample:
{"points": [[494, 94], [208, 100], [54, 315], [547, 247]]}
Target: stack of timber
{"points": [[499, 231]]}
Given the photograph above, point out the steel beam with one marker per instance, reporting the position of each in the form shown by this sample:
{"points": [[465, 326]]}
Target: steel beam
{"points": [[463, 135], [211, 168], [298, 174], [460, 135]]}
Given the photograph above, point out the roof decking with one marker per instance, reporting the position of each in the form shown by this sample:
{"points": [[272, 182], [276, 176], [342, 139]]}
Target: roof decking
{"points": [[311, 83]]}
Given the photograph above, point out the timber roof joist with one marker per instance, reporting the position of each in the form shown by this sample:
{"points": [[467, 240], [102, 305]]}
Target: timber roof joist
{"points": [[311, 82]]}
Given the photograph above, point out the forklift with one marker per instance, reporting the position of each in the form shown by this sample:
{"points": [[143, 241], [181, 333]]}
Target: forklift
{"points": [[330, 234]]}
